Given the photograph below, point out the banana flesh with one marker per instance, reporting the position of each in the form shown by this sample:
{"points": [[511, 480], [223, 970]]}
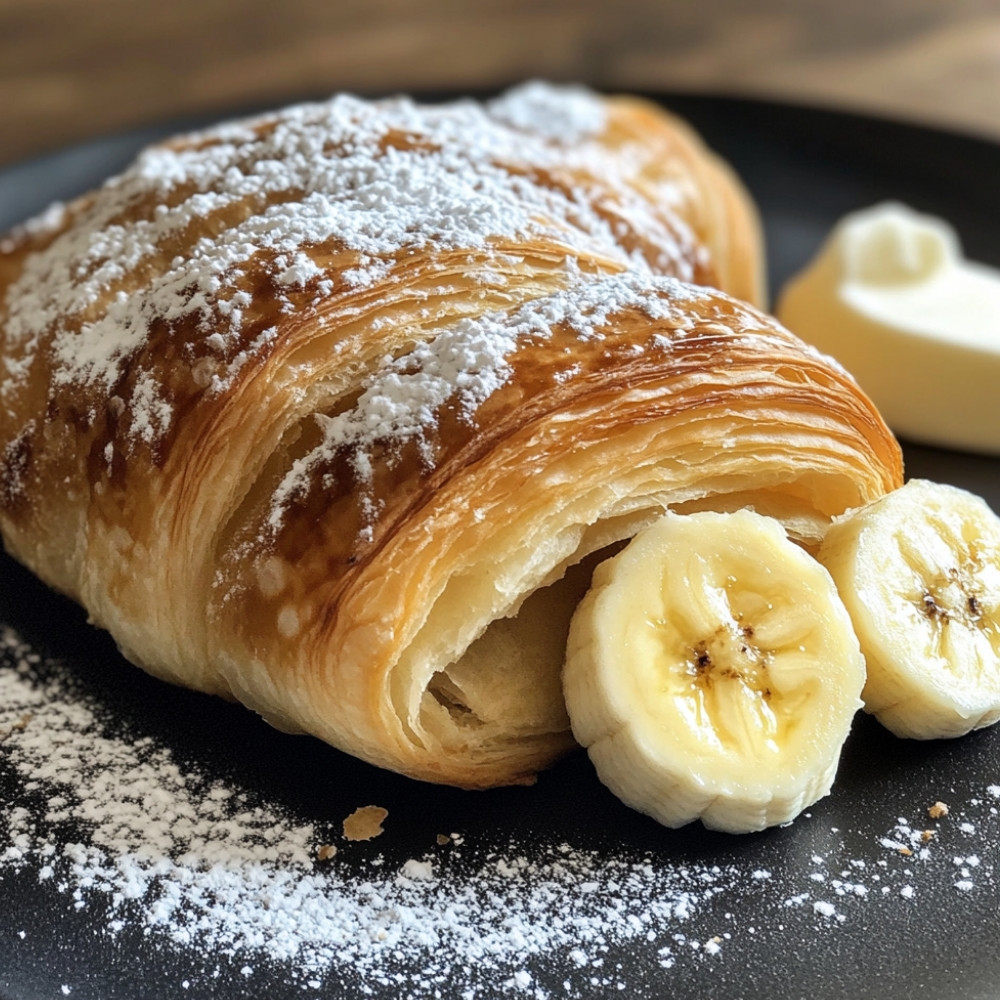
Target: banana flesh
{"points": [[919, 572], [713, 673]]}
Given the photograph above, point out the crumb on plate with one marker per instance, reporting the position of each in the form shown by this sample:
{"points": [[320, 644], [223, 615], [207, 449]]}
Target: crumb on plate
{"points": [[364, 823]]}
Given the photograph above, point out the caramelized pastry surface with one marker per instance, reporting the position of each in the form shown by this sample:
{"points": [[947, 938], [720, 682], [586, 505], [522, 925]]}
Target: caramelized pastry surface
{"points": [[319, 410]]}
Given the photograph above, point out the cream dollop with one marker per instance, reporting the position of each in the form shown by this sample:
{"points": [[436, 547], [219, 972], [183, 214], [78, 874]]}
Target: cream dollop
{"points": [[891, 296]]}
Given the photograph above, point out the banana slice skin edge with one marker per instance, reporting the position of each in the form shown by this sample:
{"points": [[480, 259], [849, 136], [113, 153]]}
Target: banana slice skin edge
{"points": [[713, 673]]}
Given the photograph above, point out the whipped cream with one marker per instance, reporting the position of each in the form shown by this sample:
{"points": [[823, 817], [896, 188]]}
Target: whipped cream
{"points": [[892, 297]]}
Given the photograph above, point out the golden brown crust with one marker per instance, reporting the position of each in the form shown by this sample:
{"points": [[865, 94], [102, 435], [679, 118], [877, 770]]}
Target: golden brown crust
{"points": [[319, 409]]}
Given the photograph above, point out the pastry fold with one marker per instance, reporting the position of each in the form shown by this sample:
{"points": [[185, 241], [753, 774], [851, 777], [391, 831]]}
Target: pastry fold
{"points": [[332, 410]]}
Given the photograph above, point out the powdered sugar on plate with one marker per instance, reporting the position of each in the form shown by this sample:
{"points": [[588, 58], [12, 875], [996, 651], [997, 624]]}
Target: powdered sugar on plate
{"points": [[125, 832]]}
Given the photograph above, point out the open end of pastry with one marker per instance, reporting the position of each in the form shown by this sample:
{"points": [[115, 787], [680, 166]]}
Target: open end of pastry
{"points": [[510, 675], [502, 697], [506, 687]]}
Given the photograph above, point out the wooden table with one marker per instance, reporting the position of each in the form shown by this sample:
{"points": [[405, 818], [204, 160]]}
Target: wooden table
{"points": [[73, 69]]}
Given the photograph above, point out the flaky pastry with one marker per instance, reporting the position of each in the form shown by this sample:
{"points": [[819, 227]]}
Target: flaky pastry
{"points": [[332, 410]]}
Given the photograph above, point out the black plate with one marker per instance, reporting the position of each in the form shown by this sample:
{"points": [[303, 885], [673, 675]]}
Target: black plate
{"points": [[606, 902]]}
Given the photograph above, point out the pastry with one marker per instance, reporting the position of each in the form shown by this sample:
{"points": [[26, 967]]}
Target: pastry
{"points": [[333, 409]]}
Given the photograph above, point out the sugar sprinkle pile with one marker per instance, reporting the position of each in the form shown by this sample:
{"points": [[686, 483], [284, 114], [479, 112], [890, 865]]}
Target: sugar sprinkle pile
{"points": [[124, 832]]}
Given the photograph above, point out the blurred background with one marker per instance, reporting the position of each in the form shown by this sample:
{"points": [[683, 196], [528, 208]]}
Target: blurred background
{"points": [[75, 69]]}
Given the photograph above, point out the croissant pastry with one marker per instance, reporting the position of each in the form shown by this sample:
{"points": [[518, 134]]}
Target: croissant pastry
{"points": [[331, 410]]}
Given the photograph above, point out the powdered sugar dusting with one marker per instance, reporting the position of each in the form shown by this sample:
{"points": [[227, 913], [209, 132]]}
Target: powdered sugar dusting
{"points": [[467, 362], [566, 116], [218, 870], [374, 179], [47, 221], [119, 827]]}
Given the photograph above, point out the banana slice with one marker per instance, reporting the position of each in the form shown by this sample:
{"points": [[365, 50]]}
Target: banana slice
{"points": [[712, 673], [919, 572]]}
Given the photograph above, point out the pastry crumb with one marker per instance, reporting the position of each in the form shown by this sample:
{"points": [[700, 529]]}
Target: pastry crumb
{"points": [[325, 851], [906, 851], [937, 810], [364, 823], [20, 724], [928, 835], [442, 839]]}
